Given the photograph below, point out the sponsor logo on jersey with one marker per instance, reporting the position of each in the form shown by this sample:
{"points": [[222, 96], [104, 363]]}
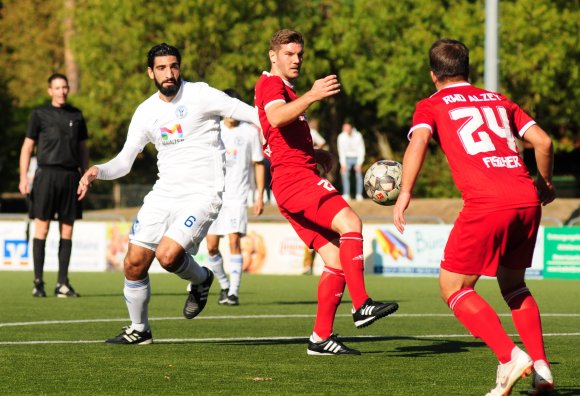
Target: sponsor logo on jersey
{"points": [[181, 112], [171, 136], [16, 252], [231, 157], [392, 245]]}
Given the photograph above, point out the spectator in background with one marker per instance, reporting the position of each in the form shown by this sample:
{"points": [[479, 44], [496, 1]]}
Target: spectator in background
{"points": [[59, 133], [351, 155], [317, 140]]}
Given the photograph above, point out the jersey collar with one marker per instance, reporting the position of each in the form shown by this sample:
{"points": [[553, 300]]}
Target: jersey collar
{"points": [[288, 83]]}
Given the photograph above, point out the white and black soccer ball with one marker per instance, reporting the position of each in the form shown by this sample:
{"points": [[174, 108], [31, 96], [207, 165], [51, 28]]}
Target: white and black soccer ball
{"points": [[383, 182]]}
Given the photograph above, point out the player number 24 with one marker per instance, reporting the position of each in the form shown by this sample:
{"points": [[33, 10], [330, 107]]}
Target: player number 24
{"points": [[476, 118]]}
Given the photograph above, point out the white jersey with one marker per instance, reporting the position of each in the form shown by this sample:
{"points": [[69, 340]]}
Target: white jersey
{"points": [[243, 148], [186, 134]]}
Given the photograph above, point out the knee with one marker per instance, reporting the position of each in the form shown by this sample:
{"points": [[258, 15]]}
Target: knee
{"points": [[169, 259], [353, 222], [213, 250], [134, 270]]}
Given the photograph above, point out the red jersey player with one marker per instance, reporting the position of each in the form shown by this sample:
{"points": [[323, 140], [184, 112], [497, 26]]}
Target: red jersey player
{"points": [[316, 211], [496, 231]]}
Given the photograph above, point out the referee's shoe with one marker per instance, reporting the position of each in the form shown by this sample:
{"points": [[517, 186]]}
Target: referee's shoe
{"points": [[65, 290]]}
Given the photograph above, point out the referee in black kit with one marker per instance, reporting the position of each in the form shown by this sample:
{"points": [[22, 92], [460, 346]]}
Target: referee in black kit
{"points": [[59, 133]]}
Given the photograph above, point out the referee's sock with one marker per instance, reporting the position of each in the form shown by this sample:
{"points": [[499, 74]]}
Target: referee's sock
{"points": [[64, 253], [38, 249]]}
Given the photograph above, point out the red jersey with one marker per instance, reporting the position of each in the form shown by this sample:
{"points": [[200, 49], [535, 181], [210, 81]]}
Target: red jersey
{"points": [[290, 147], [475, 129]]}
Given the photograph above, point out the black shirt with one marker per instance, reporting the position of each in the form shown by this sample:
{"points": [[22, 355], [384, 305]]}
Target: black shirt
{"points": [[57, 132]]}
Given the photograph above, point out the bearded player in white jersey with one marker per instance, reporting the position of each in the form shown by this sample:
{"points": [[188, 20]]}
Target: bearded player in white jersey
{"points": [[243, 150], [182, 121]]}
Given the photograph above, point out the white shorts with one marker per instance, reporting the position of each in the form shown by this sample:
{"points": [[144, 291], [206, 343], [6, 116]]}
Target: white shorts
{"points": [[185, 220], [233, 218]]}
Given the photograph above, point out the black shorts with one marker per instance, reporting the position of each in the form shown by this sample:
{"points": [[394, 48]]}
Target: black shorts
{"points": [[54, 195]]}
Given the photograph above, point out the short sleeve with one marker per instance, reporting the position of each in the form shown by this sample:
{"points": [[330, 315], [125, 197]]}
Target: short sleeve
{"points": [[33, 126], [83, 132], [521, 120], [273, 90], [423, 117]]}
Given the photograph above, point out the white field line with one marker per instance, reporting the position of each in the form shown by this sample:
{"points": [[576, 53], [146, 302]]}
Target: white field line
{"points": [[264, 339], [233, 317]]}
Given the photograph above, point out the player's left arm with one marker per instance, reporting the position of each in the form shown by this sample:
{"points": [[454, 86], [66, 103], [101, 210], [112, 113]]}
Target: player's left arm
{"points": [[412, 164], [260, 172], [544, 153]]}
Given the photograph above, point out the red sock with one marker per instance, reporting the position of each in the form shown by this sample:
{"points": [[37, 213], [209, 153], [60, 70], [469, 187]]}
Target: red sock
{"points": [[330, 290], [526, 317], [482, 321], [352, 261]]}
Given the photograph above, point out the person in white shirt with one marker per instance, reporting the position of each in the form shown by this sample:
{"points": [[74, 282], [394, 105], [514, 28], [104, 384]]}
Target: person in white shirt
{"points": [[317, 140], [243, 150], [351, 155], [182, 121]]}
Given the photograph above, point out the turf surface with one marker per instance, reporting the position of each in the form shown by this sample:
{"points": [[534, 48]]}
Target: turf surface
{"points": [[55, 346]]}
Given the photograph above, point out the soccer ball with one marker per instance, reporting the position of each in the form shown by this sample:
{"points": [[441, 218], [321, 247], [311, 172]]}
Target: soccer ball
{"points": [[383, 182]]}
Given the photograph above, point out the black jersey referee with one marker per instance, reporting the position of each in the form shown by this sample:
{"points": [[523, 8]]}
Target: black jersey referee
{"points": [[59, 133]]}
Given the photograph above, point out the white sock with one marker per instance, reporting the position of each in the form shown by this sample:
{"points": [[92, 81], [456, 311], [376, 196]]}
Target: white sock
{"points": [[216, 265], [191, 271], [137, 295], [315, 337], [235, 273]]}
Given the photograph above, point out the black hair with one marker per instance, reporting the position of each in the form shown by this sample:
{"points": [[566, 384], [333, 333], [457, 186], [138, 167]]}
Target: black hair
{"points": [[449, 58], [56, 76], [162, 49]]}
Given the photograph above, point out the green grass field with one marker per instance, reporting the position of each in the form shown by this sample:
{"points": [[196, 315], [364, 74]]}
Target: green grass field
{"points": [[55, 346]]}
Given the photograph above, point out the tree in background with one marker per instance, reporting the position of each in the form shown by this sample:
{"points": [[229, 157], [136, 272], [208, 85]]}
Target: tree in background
{"points": [[378, 48]]}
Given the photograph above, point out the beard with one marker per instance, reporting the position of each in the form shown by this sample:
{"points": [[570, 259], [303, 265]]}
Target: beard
{"points": [[170, 90]]}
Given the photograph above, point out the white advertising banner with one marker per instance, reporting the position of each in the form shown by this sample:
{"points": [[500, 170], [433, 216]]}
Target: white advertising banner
{"points": [[88, 250], [268, 248], [419, 250]]}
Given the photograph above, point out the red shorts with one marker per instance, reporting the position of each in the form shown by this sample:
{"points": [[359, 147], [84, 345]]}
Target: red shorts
{"points": [[480, 242], [310, 204]]}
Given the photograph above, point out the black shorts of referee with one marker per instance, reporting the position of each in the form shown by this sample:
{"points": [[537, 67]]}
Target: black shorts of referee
{"points": [[54, 194]]}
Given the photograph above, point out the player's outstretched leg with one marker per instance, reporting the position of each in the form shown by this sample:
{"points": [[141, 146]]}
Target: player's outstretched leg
{"points": [[352, 261]]}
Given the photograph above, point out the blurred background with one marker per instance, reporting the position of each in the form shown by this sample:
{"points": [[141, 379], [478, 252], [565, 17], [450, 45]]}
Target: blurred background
{"points": [[378, 48]]}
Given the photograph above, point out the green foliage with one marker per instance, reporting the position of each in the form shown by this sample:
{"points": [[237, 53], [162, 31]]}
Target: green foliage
{"points": [[435, 180], [377, 48]]}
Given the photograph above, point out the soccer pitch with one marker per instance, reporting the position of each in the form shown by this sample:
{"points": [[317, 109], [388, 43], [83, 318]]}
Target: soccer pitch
{"points": [[55, 346]]}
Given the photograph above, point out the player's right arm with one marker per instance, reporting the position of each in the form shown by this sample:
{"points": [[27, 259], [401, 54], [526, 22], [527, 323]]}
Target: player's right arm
{"points": [[114, 169], [25, 155], [412, 163], [280, 113], [544, 153]]}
